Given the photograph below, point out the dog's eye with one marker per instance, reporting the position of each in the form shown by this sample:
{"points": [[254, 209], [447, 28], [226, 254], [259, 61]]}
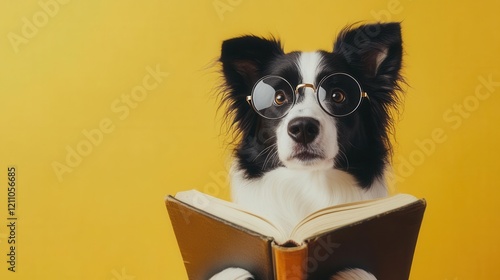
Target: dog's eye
{"points": [[280, 98], [338, 96]]}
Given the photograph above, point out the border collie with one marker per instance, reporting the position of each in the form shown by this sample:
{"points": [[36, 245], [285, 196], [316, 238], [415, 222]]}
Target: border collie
{"points": [[313, 127]]}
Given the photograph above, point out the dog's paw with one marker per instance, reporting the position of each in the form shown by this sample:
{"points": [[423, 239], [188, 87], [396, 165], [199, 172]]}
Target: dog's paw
{"points": [[232, 273], [353, 274]]}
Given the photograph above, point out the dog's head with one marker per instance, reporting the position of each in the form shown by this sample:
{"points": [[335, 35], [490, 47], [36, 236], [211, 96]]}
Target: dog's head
{"points": [[314, 110]]}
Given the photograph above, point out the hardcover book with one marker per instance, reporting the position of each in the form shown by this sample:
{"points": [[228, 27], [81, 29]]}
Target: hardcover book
{"points": [[375, 235]]}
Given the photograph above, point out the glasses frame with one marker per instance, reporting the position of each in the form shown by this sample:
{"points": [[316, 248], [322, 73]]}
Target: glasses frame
{"points": [[363, 94]]}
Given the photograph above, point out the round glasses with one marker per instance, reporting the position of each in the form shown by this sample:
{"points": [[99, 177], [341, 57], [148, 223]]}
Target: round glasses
{"points": [[338, 94]]}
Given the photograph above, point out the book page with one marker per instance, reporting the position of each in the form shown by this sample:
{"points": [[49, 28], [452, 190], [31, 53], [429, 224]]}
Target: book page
{"points": [[233, 213], [316, 223], [337, 216]]}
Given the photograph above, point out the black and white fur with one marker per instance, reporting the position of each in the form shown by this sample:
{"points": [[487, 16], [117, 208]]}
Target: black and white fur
{"points": [[284, 177]]}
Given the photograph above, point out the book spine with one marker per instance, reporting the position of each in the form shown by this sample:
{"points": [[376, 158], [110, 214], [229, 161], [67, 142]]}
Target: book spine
{"points": [[290, 262]]}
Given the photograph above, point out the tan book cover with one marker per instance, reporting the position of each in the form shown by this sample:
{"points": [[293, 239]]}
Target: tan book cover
{"points": [[382, 244]]}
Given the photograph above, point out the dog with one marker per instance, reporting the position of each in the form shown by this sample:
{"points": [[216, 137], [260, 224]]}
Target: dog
{"points": [[314, 127]]}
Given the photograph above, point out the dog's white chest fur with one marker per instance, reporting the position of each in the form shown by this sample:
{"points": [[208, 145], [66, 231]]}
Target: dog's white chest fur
{"points": [[285, 196]]}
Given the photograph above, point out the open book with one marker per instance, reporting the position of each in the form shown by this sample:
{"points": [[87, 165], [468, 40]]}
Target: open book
{"points": [[376, 235]]}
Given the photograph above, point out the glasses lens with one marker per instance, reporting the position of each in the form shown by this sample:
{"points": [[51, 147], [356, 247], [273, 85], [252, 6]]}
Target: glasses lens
{"points": [[339, 94], [272, 97]]}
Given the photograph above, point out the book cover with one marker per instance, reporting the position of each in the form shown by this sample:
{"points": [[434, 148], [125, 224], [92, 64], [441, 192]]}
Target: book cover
{"points": [[383, 244]]}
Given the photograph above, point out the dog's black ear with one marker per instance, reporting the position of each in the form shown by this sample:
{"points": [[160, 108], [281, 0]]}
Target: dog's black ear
{"points": [[374, 52], [243, 61], [244, 58]]}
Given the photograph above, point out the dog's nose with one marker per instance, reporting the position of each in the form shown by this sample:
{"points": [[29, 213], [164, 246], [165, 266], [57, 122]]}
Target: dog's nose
{"points": [[303, 130]]}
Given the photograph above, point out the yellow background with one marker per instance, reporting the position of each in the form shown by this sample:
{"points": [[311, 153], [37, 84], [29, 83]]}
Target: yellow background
{"points": [[106, 218]]}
